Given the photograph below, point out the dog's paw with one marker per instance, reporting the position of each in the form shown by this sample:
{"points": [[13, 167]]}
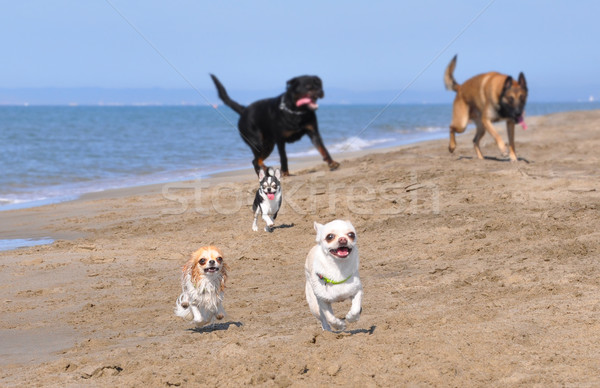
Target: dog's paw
{"points": [[333, 165], [188, 316], [350, 317], [255, 228], [338, 325], [199, 323]]}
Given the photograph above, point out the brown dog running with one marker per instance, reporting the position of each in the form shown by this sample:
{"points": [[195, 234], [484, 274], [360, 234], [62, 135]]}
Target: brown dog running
{"points": [[485, 99]]}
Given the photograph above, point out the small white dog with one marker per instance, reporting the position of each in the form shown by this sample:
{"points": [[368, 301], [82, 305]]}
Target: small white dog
{"points": [[202, 284], [332, 274]]}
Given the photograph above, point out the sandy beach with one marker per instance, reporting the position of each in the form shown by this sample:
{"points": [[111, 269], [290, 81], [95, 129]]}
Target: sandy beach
{"points": [[475, 273]]}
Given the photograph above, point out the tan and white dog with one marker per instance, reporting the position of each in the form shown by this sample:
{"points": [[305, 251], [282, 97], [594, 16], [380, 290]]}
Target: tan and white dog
{"points": [[331, 271], [485, 99], [202, 285]]}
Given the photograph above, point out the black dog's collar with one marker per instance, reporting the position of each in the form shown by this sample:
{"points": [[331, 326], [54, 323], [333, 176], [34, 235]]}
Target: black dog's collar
{"points": [[284, 108]]}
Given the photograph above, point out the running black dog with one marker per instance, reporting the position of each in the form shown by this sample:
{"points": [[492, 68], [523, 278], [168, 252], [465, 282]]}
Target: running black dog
{"points": [[279, 120]]}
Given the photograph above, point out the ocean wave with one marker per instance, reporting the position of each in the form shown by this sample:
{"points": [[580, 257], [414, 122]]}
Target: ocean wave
{"points": [[353, 143], [425, 129], [51, 194], [11, 201]]}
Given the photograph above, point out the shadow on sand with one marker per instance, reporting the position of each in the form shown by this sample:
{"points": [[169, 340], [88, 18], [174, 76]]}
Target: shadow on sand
{"points": [[284, 226], [368, 331], [215, 327], [494, 158]]}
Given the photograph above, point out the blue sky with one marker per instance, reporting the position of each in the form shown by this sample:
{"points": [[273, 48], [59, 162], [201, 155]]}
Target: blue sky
{"points": [[258, 45]]}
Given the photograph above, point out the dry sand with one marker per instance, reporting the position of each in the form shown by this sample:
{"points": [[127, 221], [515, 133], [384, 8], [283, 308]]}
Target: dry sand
{"points": [[476, 273]]}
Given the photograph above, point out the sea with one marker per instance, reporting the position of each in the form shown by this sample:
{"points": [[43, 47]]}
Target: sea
{"points": [[50, 154]]}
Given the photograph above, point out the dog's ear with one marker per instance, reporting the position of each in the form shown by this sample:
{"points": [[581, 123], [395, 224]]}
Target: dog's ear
{"points": [[507, 83], [277, 173], [191, 269], [320, 86], [318, 230], [293, 83], [261, 175], [522, 81]]}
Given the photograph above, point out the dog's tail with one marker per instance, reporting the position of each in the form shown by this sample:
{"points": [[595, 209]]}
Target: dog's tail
{"points": [[449, 80], [225, 97]]}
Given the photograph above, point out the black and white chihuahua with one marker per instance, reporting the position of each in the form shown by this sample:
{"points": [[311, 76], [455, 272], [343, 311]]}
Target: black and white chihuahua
{"points": [[268, 198]]}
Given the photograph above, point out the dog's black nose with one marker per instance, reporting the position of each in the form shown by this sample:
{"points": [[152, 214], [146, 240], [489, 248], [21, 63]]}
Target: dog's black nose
{"points": [[211, 262], [343, 240]]}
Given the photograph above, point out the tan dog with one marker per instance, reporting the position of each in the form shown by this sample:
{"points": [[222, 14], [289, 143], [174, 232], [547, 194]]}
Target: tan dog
{"points": [[202, 287], [485, 99]]}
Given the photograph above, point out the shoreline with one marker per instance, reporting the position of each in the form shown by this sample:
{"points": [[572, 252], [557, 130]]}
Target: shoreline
{"points": [[22, 237], [53, 192], [34, 230], [208, 176]]}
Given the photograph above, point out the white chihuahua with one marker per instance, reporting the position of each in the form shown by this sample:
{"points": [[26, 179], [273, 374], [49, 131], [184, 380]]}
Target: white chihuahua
{"points": [[332, 274]]}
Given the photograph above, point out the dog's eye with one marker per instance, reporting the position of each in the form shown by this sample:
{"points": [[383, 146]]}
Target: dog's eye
{"points": [[220, 259], [330, 237], [202, 261], [352, 235]]}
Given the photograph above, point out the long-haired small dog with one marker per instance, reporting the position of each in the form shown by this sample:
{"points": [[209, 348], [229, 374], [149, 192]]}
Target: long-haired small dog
{"points": [[202, 287]]}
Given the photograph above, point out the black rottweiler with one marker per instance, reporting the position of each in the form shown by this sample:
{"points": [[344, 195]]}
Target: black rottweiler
{"points": [[279, 120]]}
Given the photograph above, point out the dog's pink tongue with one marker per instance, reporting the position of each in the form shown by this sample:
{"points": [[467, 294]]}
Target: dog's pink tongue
{"points": [[523, 124], [271, 196], [305, 101]]}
